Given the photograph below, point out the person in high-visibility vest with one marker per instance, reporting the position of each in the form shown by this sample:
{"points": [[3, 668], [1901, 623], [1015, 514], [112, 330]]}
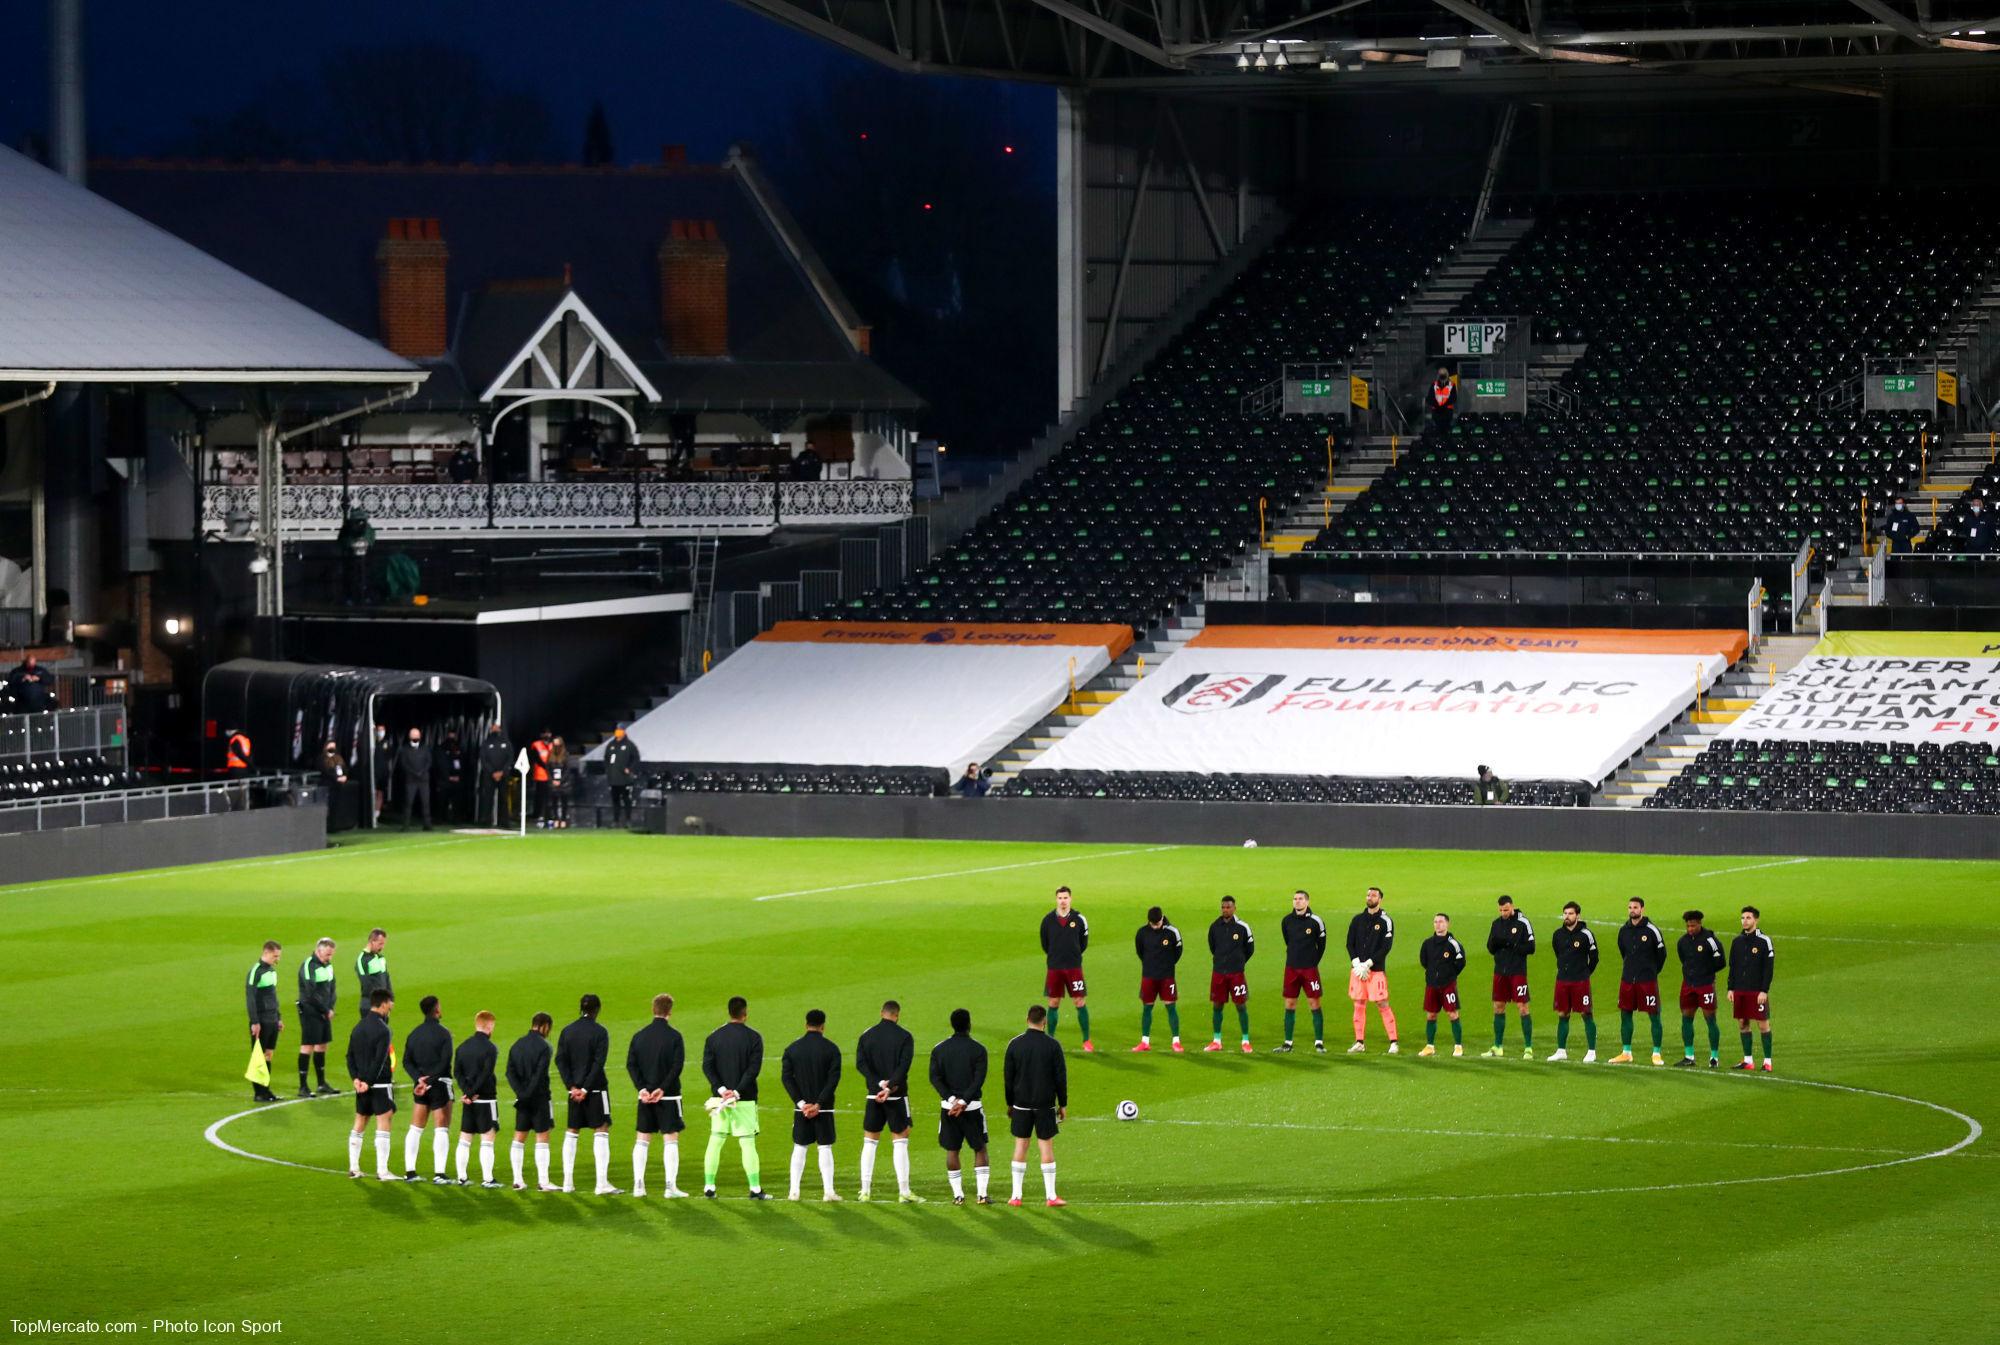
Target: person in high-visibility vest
{"points": [[539, 753], [236, 755], [1444, 399]]}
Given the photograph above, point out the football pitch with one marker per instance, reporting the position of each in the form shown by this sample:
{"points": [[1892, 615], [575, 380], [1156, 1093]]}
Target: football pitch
{"points": [[1849, 1197]]}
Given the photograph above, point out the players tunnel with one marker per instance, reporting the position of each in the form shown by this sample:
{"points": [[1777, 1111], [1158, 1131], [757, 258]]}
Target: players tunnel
{"points": [[292, 710]]}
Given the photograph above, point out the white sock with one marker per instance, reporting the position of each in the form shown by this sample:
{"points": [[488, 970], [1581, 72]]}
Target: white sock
{"points": [[639, 1168], [1020, 1176], [1049, 1179], [382, 1146], [670, 1158], [440, 1151], [980, 1178], [569, 1161], [354, 1140], [411, 1139], [957, 1180], [541, 1162], [486, 1159], [600, 1153], [899, 1155], [516, 1155], [1145, 1039], [826, 1168], [867, 1164], [464, 1155], [798, 1167]]}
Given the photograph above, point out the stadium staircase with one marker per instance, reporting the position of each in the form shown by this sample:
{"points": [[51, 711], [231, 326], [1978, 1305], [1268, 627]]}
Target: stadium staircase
{"points": [[1355, 468], [1681, 742], [1247, 577]]}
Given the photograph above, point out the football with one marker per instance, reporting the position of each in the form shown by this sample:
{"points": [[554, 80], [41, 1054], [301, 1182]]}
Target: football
{"points": [[1249, 845], [1128, 1110]]}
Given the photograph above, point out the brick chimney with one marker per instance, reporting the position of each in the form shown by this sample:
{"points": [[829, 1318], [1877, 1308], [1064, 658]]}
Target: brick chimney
{"points": [[410, 285], [694, 290]]}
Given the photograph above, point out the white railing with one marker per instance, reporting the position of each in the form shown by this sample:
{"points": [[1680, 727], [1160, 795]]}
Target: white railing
{"points": [[1878, 573], [1754, 614], [153, 804], [1801, 580], [450, 509]]}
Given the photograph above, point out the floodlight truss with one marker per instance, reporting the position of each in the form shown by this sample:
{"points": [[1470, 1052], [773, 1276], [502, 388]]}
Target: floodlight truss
{"points": [[1342, 46]]}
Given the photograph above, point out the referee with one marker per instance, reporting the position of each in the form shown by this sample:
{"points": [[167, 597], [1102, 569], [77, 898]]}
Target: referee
{"points": [[581, 1052], [317, 993], [810, 1070], [883, 1059], [1037, 1083], [260, 1000], [371, 969]]}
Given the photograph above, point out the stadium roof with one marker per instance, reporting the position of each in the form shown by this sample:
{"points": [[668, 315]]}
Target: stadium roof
{"points": [[1330, 47], [89, 292]]}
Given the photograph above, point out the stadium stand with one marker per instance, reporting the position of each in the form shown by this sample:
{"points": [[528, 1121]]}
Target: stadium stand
{"points": [[734, 778], [1775, 775], [1162, 486], [1236, 788], [1697, 418]]}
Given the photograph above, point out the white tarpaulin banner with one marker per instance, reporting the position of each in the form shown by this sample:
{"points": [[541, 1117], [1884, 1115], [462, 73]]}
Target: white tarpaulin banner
{"points": [[1905, 699], [875, 694], [1389, 712]]}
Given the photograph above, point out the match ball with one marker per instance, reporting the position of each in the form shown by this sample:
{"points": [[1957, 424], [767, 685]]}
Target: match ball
{"points": [[1249, 845], [1128, 1110]]}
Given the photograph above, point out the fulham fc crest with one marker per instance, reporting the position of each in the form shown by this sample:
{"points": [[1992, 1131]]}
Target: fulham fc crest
{"points": [[1202, 692]]}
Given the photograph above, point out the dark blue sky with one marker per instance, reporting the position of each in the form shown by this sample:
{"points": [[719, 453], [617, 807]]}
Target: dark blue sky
{"points": [[698, 72]]}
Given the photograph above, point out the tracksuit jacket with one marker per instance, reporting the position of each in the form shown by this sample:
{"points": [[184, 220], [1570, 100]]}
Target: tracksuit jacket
{"points": [[1304, 937], [1065, 939], [1231, 944], [1576, 952], [885, 1051], [1159, 951], [732, 1058], [1644, 951], [1701, 958], [581, 1052], [810, 1070], [1370, 937], [1442, 957], [1511, 941], [1034, 1072], [958, 1068], [1750, 962], [656, 1057]]}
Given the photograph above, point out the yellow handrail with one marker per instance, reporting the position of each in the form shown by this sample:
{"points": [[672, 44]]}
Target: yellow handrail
{"points": [[1262, 503], [706, 656], [1864, 525]]}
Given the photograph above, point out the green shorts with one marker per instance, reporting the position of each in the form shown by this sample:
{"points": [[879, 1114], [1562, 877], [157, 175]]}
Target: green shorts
{"points": [[739, 1119]]}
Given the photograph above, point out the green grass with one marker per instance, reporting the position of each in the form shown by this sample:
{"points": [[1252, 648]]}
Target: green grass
{"points": [[1417, 1199]]}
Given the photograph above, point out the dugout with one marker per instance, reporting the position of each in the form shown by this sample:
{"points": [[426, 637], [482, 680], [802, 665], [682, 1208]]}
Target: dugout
{"points": [[290, 710]]}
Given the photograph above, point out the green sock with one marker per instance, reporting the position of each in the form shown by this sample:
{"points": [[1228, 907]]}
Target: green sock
{"points": [[1174, 1020], [1430, 1031], [751, 1167], [1243, 1019], [1291, 1021], [1499, 1029], [1659, 1031], [1083, 1022], [1145, 1020], [1767, 1047], [1687, 1034], [1055, 1011], [711, 1162], [1589, 1033], [1217, 1015], [1527, 1031], [1562, 1033], [1625, 1028], [1457, 1033], [1714, 1036], [1746, 1044], [1319, 1025]]}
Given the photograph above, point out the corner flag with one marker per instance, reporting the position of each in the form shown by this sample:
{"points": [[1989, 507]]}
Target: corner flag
{"points": [[259, 1070]]}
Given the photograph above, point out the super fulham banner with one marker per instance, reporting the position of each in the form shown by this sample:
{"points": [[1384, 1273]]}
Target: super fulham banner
{"points": [[1906, 699], [1236, 708]]}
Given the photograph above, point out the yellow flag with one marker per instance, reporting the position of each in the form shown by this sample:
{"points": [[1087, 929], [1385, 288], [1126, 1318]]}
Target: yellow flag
{"points": [[259, 1071]]}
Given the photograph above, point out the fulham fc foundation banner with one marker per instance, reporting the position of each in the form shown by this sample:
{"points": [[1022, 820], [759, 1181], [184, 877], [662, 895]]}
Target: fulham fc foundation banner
{"points": [[1546, 705], [1885, 686], [877, 693]]}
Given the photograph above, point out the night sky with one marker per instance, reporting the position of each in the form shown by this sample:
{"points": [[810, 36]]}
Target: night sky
{"points": [[168, 79]]}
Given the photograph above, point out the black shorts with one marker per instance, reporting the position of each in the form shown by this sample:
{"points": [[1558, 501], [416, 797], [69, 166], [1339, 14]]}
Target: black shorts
{"points": [[438, 1095], [375, 1102], [592, 1112], [892, 1116], [967, 1130], [268, 1034], [661, 1118], [1038, 1122], [477, 1117], [812, 1129], [533, 1118], [315, 1030]]}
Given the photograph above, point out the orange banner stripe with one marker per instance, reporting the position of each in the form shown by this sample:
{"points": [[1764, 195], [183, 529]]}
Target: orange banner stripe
{"points": [[972, 634], [1731, 643]]}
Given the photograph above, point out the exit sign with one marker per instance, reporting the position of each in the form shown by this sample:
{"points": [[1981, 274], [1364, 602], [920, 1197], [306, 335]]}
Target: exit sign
{"points": [[1895, 383], [1489, 387], [1316, 388]]}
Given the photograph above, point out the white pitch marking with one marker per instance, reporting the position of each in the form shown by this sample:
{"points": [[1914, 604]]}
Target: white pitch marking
{"points": [[964, 873], [1745, 868], [1973, 1131]]}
